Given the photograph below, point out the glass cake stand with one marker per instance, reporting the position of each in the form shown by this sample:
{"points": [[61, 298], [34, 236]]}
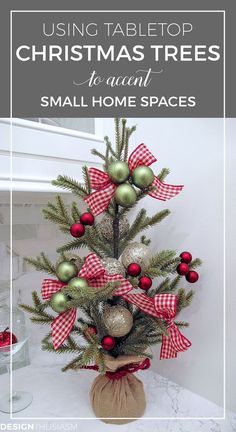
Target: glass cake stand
{"points": [[18, 400]]}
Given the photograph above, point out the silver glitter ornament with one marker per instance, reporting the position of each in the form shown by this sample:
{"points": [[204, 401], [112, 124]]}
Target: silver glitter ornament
{"points": [[118, 321], [106, 227], [113, 266], [136, 253]]}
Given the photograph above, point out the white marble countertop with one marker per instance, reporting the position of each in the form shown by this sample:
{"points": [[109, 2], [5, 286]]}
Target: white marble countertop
{"points": [[58, 395]]}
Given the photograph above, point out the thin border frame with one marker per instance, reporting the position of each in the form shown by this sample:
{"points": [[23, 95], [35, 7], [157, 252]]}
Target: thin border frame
{"points": [[224, 213]]}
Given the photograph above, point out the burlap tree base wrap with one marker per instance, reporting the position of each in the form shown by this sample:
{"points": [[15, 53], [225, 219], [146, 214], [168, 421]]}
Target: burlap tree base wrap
{"points": [[118, 397]]}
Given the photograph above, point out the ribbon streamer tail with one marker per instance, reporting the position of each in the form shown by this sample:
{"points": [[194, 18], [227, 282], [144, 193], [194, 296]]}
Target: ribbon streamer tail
{"points": [[174, 343], [62, 326], [164, 191], [99, 200], [141, 156], [50, 287], [98, 178]]}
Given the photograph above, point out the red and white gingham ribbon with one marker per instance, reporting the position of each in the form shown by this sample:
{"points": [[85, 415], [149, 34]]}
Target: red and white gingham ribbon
{"points": [[94, 272], [163, 306], [99, 200]]}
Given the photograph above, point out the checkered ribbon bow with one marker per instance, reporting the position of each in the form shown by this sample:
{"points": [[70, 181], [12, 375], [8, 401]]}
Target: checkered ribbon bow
{"points": [[94, 272], [98, 201], [163, 306]]}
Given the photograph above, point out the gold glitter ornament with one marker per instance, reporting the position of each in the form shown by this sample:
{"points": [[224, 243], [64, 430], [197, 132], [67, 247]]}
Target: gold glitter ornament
{"points": [[105, 227], [137, 253], [118, 321], [113, 266]]}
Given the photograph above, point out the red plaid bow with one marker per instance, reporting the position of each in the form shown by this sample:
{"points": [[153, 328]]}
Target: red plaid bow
{"points": [[94, 272], [99, 200], [163, 306]]}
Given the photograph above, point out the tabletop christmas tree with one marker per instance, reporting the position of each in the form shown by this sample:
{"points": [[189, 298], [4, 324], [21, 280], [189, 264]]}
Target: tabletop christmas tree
{"points": [[106, 310]]}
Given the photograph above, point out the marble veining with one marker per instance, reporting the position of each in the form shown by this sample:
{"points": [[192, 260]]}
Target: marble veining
{"points": [[58, 395]]}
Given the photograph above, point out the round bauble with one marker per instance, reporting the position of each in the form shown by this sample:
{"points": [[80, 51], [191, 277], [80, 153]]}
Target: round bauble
{"points": [[134, 269], [118, 171], [125, 195], [7, 338], [66, 270], [137, 253], [186, 257], [105, 227], [108, 343], [192, 276], [59, 302], [145, 283], [182, 269], [68, 256], [87, 219], [77, 230], [118, 321], [113, 266], [142, 177], [78, 283]]}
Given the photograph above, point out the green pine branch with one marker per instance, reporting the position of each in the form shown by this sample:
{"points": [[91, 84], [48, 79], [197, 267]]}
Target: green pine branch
{"points": [[141, 223], [92, 240], [181, 324], [122, 144], [41, 263], [117, 135], [184, 299], [162, 264], [88, 294], [195, 263], [68, 183], [89, 355], [75, 213], [72, 245], [163, 174], [86, 178], [145, 240], [95, 152], [59, 214]]}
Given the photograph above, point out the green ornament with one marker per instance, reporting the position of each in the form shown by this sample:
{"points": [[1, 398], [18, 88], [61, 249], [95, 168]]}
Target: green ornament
{"points": [[118, 172], [125, 195], [59, 301], [142, 177], [79, 283], [66, 270]]}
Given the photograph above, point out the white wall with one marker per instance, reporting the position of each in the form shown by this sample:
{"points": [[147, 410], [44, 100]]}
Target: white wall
{"points": [[193, 150], [230, 263]]}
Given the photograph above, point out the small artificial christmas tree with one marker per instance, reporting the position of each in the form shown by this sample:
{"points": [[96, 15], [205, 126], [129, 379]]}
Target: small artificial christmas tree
{"points": [[120, 299]]}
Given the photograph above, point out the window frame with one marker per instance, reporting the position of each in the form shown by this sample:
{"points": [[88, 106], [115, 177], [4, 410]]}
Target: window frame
{"points": [[97, 135]]}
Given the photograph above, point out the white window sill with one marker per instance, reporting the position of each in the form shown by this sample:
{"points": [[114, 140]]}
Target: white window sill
{"points": [[41, 152], [97, 136]]}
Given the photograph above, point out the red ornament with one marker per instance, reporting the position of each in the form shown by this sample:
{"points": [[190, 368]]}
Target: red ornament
{"points": [[134, 269], [145, 283], [192, 276], [186, 257], [182, 269], [77, 230], [87, 219], [7, 338], [108, 343], [92, 330]]}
